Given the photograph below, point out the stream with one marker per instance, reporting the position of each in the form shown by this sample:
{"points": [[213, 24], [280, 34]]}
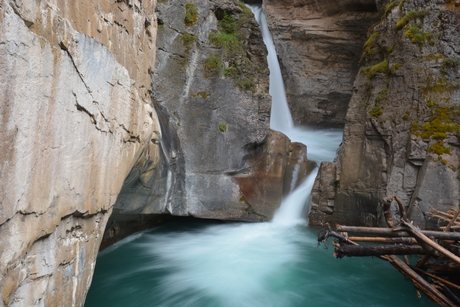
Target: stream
{"points": [[203, 263]]}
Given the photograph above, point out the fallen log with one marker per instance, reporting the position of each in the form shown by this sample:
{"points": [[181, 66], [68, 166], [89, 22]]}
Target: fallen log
{"points": [[342, 250], [455, 236], [396, 240], [422, 238], [419, 282]]}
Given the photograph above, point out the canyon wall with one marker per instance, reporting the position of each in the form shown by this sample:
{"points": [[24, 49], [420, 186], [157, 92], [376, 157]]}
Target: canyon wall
{"points": [[319, 47], [211, 84], [402, 132], [75, 116]]}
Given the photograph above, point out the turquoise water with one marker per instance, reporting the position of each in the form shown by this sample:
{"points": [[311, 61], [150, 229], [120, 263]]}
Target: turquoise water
{"points": [[206, 263]]}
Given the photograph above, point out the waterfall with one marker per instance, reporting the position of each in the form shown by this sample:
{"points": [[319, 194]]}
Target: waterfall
{"points": [[292, 208]]}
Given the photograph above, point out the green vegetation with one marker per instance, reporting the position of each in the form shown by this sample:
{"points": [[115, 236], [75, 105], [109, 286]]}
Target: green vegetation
{"points": [[191, 14], [213, 62], [416, 35], [370, 47], [436, 84], [188, 40], [411, 15], [370, 71], [376, 111], [440, 125], [388, 9], [449, 63], [223, 127], [394, 67], [401, 3], [391, 49], [230, 37]]}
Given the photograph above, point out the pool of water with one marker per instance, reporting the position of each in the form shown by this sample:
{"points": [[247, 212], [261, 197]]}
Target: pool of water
{"points": [[207, 263]]}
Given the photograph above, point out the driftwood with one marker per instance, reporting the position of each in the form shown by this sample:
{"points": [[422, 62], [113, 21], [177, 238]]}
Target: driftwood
{"points": [[455, 236], [403, 238], [373, 250], [400, 240]]}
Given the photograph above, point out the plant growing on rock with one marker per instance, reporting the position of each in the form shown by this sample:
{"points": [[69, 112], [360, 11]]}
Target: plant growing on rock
{"points": [[370, 71], [409, 16], [416, 35], [229, 36], [223, 127], [191, 14]]}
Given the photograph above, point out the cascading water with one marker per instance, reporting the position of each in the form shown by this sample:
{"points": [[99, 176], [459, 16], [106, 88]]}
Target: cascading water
{"points": [[209, 264]]}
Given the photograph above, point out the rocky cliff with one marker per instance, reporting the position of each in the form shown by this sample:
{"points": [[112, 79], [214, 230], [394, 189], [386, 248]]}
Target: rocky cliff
{"points": [[402, 131], [211, 90], [75, 116], [81, 137], [319, 47]]}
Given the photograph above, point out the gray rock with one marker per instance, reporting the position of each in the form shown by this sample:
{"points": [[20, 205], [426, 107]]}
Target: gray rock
{"points": [[401, 136]]}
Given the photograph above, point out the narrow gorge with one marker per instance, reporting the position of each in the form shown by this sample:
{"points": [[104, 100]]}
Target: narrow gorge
{"points": [[121, 115]]}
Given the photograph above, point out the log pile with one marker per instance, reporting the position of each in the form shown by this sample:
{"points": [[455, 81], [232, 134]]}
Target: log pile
{"points": [[437, 269]]}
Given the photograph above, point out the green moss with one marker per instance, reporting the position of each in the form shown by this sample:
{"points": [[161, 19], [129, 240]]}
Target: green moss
{"points": [[437, 84], [370, 47], [409, 16], [376, 111], [439, 148], [389, 8], [191, 14], [415, 35], [370, 71], [230, 36], [394, 67], [401, 3], [213, 62], [406, 116], [188, 40], [391, 49], [382, 95], [223, 127], [449, 63]]}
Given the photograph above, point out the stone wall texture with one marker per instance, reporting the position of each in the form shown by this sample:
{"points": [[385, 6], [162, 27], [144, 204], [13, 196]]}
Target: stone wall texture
{"points": [[75, 117], [402, 131], [319, 47]]}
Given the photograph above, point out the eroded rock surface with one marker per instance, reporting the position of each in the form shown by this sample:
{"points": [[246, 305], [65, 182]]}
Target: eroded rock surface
{"points": [[402, 131], [75, 117], [211, 82], [319, 47]]}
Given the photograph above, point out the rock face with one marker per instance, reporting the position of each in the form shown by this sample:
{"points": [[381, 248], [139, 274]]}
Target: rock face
{"points": [[75, 117], [211, 91], [402, 131], [319, 46]]}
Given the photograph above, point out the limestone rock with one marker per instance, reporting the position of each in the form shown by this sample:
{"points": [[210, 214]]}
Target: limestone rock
{"points": [[75, 116], [319, 44], [402, 131]]}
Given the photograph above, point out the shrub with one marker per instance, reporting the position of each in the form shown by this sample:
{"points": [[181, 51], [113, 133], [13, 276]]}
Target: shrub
{"points": [[223, 127]]}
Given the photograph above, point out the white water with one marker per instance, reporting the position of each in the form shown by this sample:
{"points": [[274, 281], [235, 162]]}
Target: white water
{"points": [[321, 144], [254, 265]]}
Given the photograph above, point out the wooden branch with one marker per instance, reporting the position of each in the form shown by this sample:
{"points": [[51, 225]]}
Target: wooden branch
{"points": [[438, 278], [419, 282], [403, 240], [421, 238], [342, 250], [455, 236], [402, 210], [387, 212], [457, 213]]}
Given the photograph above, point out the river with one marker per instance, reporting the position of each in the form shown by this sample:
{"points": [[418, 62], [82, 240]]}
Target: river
{"points": [[199, 263]]}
